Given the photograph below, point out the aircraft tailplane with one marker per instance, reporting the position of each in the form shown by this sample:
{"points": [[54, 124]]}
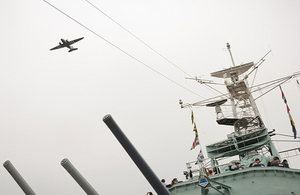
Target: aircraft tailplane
{"points": [[73, 49]]}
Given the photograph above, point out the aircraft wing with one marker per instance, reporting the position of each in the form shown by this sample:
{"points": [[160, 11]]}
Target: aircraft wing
{"points": [[75, 40], [57, 47]]}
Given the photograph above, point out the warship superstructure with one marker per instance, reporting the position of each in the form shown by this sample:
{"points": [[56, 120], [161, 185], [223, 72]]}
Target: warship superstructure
{"points": [[249, 141]]}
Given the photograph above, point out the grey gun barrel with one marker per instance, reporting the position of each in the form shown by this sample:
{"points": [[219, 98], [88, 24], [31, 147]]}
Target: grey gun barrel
{"points": [[135, 156], [84, 184], [18, 178]]}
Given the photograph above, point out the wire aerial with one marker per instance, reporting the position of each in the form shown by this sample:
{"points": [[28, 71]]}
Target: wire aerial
{"points": [[137, 38], [206, 86], [121, 49]]}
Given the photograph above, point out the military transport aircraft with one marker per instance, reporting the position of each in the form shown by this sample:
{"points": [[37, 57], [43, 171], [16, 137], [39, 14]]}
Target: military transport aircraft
{"points": [[66, 43]]}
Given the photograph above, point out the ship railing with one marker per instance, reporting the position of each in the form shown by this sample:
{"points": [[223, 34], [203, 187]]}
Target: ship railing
{"points": [[196, 168], [226, 112], [290, 153]]}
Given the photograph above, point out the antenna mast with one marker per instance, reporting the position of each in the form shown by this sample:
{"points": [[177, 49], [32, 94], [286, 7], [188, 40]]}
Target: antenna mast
{"points": [[228, 47]]}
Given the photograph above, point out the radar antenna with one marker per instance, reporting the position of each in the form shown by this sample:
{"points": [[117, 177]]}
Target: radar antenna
{"points": [[247, 125]]}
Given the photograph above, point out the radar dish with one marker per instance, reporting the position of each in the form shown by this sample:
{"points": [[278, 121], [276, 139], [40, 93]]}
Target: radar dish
{"points": [[226, 73], [216, 103], [247, 125]]}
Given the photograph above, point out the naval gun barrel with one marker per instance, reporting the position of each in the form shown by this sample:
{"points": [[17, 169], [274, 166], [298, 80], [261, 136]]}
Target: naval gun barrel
{"points": [[18, 178], [135, 156], [84, 184]]}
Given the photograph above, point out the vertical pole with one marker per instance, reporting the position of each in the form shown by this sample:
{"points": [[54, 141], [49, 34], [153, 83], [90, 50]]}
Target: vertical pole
{"points": [[18, 178], [135, 156], [228, 47], [84, 184]]}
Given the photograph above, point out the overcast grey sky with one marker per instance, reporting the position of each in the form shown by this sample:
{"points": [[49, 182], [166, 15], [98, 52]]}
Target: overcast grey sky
{"points": [[52, 102]]}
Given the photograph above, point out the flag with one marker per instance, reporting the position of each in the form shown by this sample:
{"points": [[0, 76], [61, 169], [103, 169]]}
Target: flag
{"points": [[195, 143], [195, 129], [293, 126], [288, 111], [196, 140], [200, 155]]}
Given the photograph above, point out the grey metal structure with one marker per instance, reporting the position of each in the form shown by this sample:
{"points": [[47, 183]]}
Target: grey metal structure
{"points": [[84, 184], [249, 148], [18, 178], [135, 156]]}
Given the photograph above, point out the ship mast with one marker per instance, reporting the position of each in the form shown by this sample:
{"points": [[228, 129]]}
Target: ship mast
{"points": [[228, 47], [242, 102]]}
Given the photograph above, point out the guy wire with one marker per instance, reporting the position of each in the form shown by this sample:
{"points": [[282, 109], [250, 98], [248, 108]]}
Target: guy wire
{"points": [[137, 38]]}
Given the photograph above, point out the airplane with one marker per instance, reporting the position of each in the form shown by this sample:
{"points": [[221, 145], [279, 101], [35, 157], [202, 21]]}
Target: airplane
{"points": [[66, 43]]}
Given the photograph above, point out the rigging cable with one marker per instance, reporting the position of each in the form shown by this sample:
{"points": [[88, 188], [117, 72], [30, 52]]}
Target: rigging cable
{"points": [[213, 89], [297, 82], [122, 49], [268, 117], [285, 135], [274, 87], [266, 112], [137, 38], [207, 86], [254, 77]]}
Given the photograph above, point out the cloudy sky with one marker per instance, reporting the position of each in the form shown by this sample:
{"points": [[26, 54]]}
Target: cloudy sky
{"points": [[52, 102]]}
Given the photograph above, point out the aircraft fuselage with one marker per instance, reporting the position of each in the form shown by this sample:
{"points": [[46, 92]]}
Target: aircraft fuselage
{"points": [[64, 43]]}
